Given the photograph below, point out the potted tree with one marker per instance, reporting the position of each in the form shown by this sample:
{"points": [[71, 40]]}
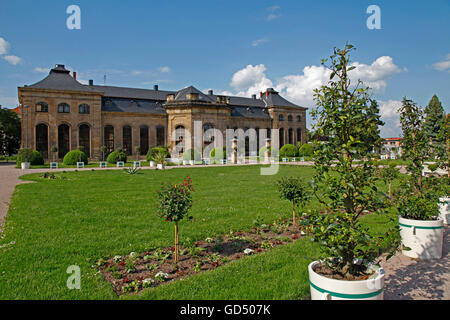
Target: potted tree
{"points": [[53, 150], [25, 155], [175, 201], [347, 188], [160, 159], [295, 191], [103, 150], [389, 174], [421, 229]]}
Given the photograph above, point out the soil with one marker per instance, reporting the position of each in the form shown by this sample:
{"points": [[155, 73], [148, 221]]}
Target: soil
{"points": [[201, 256], [325, 271]]}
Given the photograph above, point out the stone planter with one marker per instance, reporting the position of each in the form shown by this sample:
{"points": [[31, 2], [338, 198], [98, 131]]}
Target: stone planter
{"points": [[160, 166], [185, 162], [444, 209], [323, 288], [425, 238], [191, 162], [25, 165], [152, 164]]}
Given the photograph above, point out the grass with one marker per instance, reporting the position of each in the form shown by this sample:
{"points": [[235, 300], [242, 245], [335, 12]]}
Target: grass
{"points": [[53, 224]]}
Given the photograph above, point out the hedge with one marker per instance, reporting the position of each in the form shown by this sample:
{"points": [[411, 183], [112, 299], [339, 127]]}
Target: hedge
{"points": [[192, 154], [306, 150], [74, 156], [217, 150]]}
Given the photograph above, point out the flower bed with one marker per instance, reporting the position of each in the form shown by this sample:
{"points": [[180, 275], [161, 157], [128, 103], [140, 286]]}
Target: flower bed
{"points": [[134, 272]]}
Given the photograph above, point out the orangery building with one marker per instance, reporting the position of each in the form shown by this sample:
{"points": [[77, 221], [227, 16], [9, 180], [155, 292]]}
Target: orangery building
{"points": [[62, 112]]}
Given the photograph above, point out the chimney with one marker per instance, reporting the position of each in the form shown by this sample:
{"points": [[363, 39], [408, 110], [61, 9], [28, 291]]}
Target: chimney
{"points": [[155, 87], [267, 92], [210, 92], [260, 94], [75, 75], [254, 96], [91, 82]]}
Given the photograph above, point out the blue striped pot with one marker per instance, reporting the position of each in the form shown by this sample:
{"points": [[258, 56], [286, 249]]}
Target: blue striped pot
{"points": [[323, 288]]}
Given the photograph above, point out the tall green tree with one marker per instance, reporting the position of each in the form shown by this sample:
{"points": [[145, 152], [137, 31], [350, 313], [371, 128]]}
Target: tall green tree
{"points": [[434, 119], [9, 132]]}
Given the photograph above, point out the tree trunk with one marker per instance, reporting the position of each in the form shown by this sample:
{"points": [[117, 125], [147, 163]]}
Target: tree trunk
{"points": [[176, 241], [293, 215]]}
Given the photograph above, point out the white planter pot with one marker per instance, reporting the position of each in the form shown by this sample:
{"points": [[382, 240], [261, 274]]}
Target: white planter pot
{"points": [[444, 209], [160, 166], [185, 162], [323, 288], [191, 162], [152, 164], [425, 238], [25, 165]]}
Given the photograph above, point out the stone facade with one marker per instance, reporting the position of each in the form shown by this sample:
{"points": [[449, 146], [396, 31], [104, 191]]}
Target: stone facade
{"points": [[59, 111]]}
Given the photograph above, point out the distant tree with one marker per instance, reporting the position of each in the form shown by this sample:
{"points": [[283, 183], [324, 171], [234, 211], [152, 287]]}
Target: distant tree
{"points": [[10, 128], [434, 120]]}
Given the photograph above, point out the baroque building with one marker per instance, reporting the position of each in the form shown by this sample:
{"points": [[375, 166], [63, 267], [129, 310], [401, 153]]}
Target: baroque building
{"points": [[60, 111]]}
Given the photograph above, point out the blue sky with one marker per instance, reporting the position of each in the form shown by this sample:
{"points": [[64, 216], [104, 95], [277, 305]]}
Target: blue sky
{"points": [[234, 47]]}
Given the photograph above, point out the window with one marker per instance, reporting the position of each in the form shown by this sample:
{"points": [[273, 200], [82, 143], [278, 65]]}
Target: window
{"points": [[63, 140], [41, 107], [42, 139], [290, 118], [160, 139], [299, 135], [299, 118], [84, 108], [281, 137], [291, 136], [143, 135], [63, 108], [109, 139], [280, 117], [127, 141], [84, 139]]}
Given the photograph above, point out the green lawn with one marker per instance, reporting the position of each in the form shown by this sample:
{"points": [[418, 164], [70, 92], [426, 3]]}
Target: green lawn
{"points": [[53, 224]]}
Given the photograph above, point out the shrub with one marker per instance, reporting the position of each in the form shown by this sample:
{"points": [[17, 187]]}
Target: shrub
{"points": [[295, 191], [117, 155], [217, 150], [152, 153], [288, 150], [192, 154], [262, 152], [306, 150], [34, 157], [74, 156]]}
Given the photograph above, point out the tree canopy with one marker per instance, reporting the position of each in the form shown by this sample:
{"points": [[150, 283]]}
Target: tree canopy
{"points": [[10, 128]]}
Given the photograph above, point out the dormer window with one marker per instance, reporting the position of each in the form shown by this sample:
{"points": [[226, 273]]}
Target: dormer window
{"points": [[281, 117], [299, 118], [41, 107], [84, 109], [290, 118], [63, 108]]}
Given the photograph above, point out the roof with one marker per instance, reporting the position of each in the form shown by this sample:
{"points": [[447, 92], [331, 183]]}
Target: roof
{"points": [[17, 110], [122, 99], [392, 139]]}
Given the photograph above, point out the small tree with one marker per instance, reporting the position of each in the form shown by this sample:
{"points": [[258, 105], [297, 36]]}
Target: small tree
{"points": [[103, 149], [137, 150], [175, 201], [295, 191], [53, 150], [389, 174], [347, 116]]}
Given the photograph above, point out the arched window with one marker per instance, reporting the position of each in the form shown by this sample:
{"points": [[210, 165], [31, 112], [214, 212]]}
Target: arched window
{"points": [[143, 138], [84, 108], [84, 138], [179, 139], [281, 117], [41, 107], [281, 137], [299, 135], [291, 136], [207, 137], [63, 140], [109, 138], [160, 136], [63, 108], [127, 140], [42, 139], [299, 118], [257, 138], [290, 118]]}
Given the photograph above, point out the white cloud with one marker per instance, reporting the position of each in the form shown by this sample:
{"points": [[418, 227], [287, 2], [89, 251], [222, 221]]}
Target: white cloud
{"points": [[391, 117], [41, 70], [137, 72], [14, 60], [273, 15], [4, 46], [164, 69], [443, 65], [257, 42], [273, 8], [250, 80]]}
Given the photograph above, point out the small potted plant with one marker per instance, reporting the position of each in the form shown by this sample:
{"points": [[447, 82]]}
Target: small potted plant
{"points": [[295, 191], [421, 229], [137, 150], [160, 159], [348, 268], [174, 203], [103, 150], [25, 155]]}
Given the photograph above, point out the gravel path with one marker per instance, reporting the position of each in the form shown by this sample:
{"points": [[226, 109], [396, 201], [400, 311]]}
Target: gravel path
{"points": [[406, 278]]}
